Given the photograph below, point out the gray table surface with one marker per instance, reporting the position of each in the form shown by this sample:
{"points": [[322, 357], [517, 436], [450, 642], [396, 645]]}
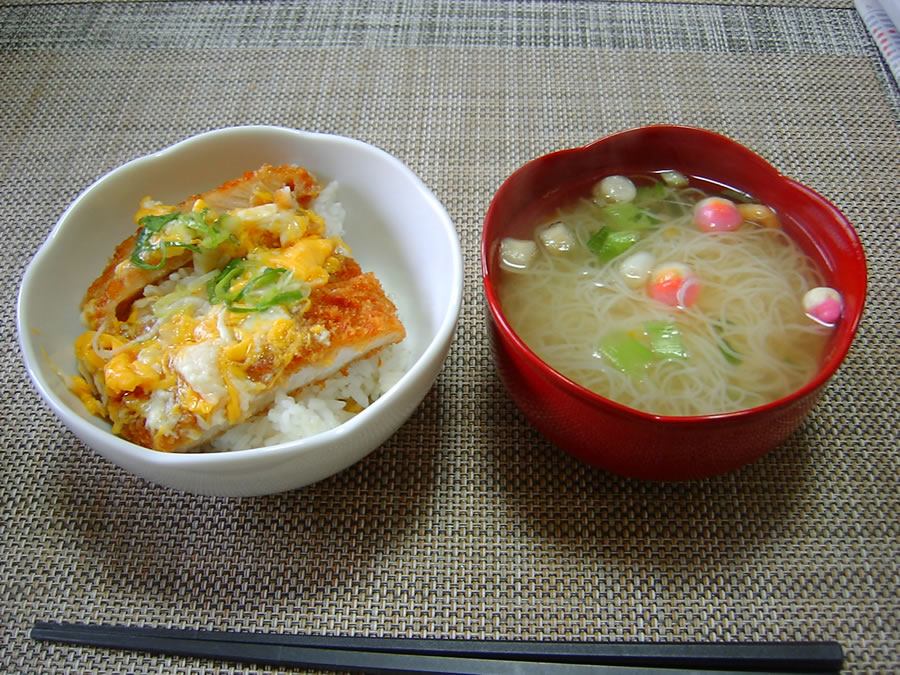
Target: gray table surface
{"points": [[466, 523]]}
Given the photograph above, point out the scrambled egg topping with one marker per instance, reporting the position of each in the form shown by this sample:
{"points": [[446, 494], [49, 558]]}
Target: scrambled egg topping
{"points": [[210, 336]]}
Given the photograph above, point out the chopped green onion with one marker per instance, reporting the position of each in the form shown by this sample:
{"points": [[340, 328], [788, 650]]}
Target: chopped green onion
{"points": [[595, 243], [154, 223], [728, 351], [626, 353], [261, 292], [167, 304], [616, 243], [665, 339], [626, 216], [204, 236], [270, 301], [213, 234], [219, 288], [150, 225], [266, 287], [650, 193], [606, 244], [632, 356]]}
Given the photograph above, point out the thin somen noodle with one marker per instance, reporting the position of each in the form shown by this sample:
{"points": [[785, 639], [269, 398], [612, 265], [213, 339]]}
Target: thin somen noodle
{"points": [[736, 337]]}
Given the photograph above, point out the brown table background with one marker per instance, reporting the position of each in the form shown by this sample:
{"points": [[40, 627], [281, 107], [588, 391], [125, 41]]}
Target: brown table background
{"points": [[466, 523]]}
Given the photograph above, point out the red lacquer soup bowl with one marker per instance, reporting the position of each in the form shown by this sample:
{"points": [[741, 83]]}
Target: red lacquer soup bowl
{"points": [[615, 437]]}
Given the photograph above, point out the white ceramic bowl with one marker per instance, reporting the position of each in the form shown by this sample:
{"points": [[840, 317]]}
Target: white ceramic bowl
{"points": [[395, 225]]}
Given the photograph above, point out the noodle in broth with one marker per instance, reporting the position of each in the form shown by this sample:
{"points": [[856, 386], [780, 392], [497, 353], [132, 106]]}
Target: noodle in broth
{"points": [[744, 342]]}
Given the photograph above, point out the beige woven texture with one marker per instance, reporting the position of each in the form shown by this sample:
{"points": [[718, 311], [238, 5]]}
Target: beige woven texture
{"points": [[832, 4], [466, 523]]}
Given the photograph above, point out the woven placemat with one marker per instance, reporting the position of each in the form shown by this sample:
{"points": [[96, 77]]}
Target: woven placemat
{"points": [[466, 523], [416, 4]]}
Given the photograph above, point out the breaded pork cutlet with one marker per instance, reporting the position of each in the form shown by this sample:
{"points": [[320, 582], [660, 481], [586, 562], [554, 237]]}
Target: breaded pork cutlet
{"points": [[218, 304], [123, 281]]}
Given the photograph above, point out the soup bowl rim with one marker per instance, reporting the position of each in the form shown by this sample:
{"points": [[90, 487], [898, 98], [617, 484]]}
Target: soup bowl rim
{"points": [[848, 327]]}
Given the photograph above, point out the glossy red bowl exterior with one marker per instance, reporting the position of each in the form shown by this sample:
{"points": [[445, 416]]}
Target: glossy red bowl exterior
{"points": [[621, 439]]}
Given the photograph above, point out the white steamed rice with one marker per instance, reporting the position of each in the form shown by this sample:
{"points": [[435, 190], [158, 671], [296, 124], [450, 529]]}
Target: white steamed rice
{"points": [[320, 407]]}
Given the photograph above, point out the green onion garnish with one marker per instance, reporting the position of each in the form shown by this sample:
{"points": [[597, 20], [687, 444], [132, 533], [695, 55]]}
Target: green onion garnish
{"points": [[665, 339], [265, 288], [650, 193], [606, 244], [632, 356], [626, 216], [728, 351], [595, 243], [626, 353], [186, 230]]}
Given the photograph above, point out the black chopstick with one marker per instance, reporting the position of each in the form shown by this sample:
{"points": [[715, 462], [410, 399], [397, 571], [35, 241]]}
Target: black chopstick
{"points": [[413, 655]]}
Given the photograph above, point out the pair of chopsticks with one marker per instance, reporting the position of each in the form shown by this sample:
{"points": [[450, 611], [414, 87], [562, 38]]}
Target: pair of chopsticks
{"points": [[457, 657]]}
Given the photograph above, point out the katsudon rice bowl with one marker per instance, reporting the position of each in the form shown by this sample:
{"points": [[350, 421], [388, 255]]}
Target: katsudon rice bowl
{"points": [[375, 214]]}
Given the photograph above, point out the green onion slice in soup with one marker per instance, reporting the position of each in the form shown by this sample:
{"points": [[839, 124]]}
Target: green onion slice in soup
{"points": [[626, 353], [731, 355], [606, 244], [632, 356], [650, 193], [626, 216], [665, 339]]}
